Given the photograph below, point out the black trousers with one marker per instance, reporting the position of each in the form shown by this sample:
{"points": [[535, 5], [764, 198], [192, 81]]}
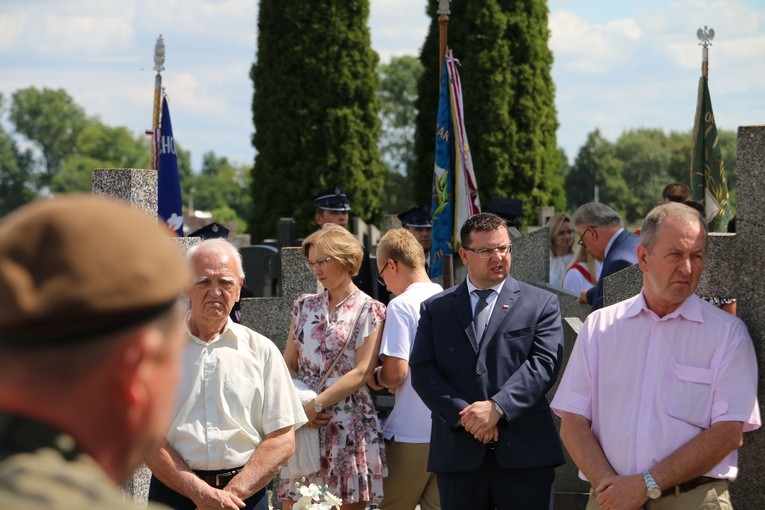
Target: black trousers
{"points": [[161, 493], [493, 487]]}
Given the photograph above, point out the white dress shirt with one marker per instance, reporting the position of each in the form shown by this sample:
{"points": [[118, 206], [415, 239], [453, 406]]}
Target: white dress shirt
{"points": [[234, 391], [489, 300]]}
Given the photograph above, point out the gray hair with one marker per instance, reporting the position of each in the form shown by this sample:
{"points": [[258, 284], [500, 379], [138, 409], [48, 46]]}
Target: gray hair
{"points": [[217, 245], [658, 214], [598, 215]]}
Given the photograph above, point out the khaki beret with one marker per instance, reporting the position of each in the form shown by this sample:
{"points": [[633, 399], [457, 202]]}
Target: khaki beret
{"points": [[76, 267]]}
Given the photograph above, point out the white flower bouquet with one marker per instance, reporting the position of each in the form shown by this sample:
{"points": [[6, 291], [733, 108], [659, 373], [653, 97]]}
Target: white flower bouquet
{"points": [[314, 497]]}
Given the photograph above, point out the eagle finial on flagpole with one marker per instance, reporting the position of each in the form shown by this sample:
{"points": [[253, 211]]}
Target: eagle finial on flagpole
{"points": [[159, 66], [705, 36], [159, 54]]}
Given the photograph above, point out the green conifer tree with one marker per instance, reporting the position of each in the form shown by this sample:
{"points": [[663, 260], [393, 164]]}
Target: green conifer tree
{"points": [[509, 101], [315, 110]]}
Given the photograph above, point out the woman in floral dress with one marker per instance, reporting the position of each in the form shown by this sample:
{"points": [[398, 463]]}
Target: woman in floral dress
{"points": [[350, 438]]}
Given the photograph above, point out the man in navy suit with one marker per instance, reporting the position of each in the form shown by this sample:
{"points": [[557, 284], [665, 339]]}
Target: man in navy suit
{"points": [[600, 231], [485, 354]]}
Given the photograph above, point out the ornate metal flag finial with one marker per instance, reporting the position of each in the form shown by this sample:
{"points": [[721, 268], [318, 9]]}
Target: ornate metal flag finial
{"points": [[159, 55], [443, 7], [705, 36]]}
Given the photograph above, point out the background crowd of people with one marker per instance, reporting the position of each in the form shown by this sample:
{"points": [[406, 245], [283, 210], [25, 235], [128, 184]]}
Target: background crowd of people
{"points": [[470, 368]]}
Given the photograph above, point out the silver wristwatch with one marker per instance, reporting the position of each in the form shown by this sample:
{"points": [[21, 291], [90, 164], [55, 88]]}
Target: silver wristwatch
{"points": [[317, 406], [653, 489]]}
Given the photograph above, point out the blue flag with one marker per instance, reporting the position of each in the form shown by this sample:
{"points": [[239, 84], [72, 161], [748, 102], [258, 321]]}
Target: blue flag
{"points": [[442, 203], [169, 183], [455, 191]]}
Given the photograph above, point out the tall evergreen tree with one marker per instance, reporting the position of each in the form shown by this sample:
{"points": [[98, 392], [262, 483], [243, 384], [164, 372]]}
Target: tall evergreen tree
{"points": [[315, 111], [509, 97]]}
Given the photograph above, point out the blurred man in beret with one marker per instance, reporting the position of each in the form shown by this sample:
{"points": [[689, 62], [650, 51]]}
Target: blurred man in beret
{"points": [[235, 419], [90, 340]]}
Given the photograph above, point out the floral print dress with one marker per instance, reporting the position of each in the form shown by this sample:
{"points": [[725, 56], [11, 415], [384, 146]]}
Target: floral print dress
{"points": [[351, 444]]}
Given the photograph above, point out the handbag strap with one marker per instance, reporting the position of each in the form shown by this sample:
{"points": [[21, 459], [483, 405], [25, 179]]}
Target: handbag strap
{"points": [[342, 351]]}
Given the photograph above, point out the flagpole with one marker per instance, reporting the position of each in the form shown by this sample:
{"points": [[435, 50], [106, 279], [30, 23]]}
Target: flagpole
{"points": [[159, 66], [443, 32], [447, 262]]}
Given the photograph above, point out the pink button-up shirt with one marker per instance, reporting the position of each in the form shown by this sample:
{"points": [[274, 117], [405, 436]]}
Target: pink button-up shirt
{"points": [[650, 384]]}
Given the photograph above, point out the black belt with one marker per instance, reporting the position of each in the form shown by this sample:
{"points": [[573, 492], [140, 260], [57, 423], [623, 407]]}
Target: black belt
{"points": [[689, 485], [217, 479]]}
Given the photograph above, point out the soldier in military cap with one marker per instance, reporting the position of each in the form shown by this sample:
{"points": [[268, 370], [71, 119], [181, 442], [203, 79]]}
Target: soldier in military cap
{"points": [[417, 221], [90, 340], [332, 206]]}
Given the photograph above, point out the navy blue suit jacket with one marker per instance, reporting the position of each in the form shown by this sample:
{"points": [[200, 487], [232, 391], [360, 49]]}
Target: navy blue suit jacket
{"points": [[515, 365], [623, 254]]}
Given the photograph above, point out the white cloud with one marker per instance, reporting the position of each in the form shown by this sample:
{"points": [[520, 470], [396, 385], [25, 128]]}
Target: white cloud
{"points": [[11, 31], [587, 47], [192, 95], [218, 23], [80, 35], [73, 29], [398, 27]]}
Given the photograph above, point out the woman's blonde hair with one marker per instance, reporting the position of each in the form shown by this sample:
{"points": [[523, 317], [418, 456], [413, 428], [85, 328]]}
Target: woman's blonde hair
{"points": [[556, 223], [582, 255], [336, 242]]}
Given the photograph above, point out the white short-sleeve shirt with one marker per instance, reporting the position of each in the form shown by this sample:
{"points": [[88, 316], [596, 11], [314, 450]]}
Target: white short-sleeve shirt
{"points": [[409, 421], [234, 391]]}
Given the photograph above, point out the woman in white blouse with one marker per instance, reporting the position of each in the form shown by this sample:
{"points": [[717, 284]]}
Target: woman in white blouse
{"points": [[561, 247], [583, 272]]}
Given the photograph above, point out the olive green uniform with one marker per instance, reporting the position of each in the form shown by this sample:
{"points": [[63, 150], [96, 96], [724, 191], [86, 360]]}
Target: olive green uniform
{"points": [[41, 468]]}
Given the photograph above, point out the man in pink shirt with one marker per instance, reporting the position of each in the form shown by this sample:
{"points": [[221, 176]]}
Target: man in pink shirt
{"points": [[660, 387]]}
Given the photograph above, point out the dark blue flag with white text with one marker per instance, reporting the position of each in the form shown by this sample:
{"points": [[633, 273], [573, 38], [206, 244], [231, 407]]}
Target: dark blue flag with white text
{"points": [[169, 183]]}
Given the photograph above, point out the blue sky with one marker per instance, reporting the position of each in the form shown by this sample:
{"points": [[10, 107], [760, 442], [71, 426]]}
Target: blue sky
{"points": [[618, 64]]}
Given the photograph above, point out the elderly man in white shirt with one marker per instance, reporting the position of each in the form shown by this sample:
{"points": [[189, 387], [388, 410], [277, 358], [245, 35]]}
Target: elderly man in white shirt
{"points": [[660, 387], [237, 409]]}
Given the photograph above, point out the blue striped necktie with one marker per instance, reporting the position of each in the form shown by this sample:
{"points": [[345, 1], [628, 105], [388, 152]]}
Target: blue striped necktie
{"points": [[481, 316]]}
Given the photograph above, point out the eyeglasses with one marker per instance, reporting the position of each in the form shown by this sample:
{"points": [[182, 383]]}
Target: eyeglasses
{"points": [[487, 253], [379, 275], [580, 242], [321, 264]]}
